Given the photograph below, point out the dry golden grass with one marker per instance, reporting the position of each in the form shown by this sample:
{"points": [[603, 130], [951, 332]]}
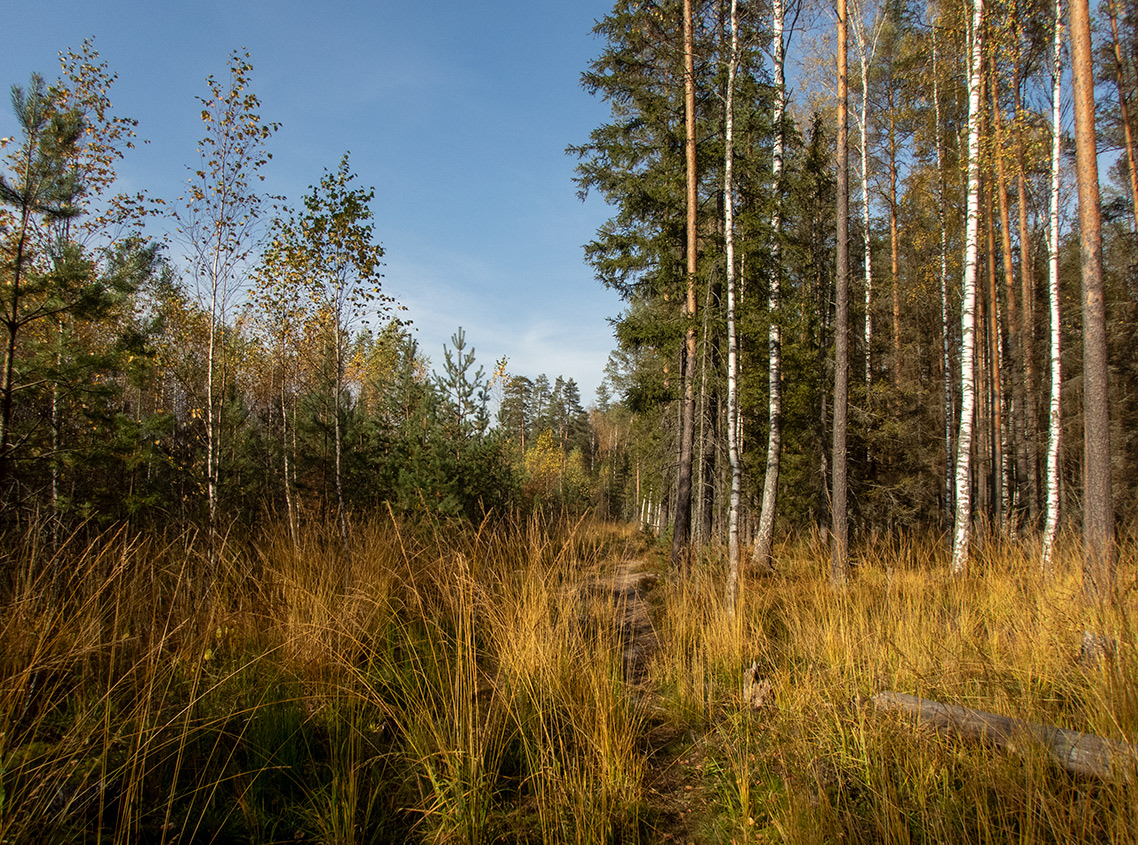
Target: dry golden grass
{"points": [[451, 685], [829, 766]]}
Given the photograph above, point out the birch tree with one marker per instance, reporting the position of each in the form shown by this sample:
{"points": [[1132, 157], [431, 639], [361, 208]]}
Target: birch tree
{"points": [[1055, 423], [866, 33], [764, 540], [962, 533], [681, 536], [218, 219], [732, 343], [329, 250], [840, 562]]}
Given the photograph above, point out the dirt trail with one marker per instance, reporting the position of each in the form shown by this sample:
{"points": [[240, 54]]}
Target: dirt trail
{"points": [[623, 592], [673, 777]]}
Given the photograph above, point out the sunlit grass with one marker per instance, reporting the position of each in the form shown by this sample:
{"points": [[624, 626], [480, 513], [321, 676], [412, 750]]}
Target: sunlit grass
{"points": [[442, 684]]}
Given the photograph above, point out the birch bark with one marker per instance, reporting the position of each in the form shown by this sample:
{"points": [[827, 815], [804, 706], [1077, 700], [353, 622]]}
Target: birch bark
{"points": [[681, 535], [840, 563], [1055, 425], [962, 533], [732, 354], [761, 554]]}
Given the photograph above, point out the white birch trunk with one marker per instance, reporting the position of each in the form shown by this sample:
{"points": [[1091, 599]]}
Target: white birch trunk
{"points": [[341, 515], [732, 353], [962, 534], [949, 498], [760, 555], [866, 52], [289, 505], [212, 452], [1051, 526]]}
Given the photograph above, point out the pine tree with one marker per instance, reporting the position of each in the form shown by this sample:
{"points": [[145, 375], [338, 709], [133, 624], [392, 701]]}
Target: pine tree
{"points": [[1099, 563], [43, 187]]}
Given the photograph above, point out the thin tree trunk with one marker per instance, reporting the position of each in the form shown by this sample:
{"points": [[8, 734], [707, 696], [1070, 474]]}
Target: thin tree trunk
{"points": [[56, 430], [962, 534], [211, 430], [1124, 107], [761, 554], [996, 398], [944, 309], [1014, 349], [867, 49], [1055, 424], [703, 502], [732, 354], [1027, 313], [982, 447], [840, 563], [290, 506], [1098, 507], [894, 245], [681, 536]]}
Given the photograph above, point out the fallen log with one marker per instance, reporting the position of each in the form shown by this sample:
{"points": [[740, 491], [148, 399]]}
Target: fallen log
{"points": [[1078, 753]]}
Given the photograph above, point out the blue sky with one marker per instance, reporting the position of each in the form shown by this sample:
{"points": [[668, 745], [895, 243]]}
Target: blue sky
{"points": [[457, 113]]}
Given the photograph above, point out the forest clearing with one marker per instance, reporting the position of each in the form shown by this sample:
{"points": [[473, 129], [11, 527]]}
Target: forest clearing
{"points": [[843, 549]]}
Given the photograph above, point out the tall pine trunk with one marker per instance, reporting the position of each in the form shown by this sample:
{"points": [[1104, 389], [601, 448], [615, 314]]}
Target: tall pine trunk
{"points": [[1098, 506]]}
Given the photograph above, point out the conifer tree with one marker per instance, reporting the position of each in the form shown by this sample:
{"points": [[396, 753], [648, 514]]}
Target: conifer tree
{"points": [[1099, 561], [43, 187]]}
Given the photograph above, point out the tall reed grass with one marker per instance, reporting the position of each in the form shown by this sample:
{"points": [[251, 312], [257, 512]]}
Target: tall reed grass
{"points": [[440, 684]]}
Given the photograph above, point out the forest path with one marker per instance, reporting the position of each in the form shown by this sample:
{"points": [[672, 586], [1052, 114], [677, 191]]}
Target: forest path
{"points": [[623, 592], [674, 784]]}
